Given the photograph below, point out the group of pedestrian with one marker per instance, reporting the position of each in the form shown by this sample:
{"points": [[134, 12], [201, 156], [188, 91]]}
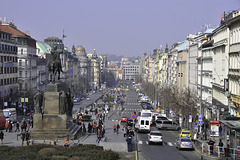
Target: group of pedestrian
{"points": [[116, 128], [100, 132]]}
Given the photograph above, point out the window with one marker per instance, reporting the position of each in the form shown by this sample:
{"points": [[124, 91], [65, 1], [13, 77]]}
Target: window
{"points": [[147, 122], [142, 122], [21, 51]]}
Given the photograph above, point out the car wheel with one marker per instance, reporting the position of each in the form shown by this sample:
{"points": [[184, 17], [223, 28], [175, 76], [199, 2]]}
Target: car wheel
{"points": [[161, 143], [149, 142]]}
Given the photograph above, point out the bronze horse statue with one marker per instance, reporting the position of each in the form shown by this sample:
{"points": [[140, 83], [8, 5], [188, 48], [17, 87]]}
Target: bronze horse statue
{"points": [[54, 64]]}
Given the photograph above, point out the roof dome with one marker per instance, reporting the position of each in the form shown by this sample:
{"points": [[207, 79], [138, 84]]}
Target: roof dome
{"points": [[80, 51]]}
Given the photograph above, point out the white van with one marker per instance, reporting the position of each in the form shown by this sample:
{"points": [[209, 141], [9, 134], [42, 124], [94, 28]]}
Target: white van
{"points": [[143, 124], [147, 113]]}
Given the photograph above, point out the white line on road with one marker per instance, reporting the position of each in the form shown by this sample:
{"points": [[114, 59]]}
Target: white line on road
{"points": [[169, 144], [140, 142]]}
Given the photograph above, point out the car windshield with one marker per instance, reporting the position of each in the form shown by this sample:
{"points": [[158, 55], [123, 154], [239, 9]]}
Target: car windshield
{"points": [[185, 132], [156, 134], [185, 140], [146, 115]]}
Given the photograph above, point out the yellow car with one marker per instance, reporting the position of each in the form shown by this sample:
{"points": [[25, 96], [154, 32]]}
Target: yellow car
{"points": [[185, 133], [126, 89]]}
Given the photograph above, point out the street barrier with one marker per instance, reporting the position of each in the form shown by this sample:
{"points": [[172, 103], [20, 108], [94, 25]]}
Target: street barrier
{"points": [[217, 151]]}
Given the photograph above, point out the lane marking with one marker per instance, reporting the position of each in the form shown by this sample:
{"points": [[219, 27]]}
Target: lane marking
{"points": [[140, 142]]}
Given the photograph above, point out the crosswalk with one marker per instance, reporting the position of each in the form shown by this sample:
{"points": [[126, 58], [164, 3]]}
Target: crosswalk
{"points": [[131, 110], [170, 144], [132, 104]]}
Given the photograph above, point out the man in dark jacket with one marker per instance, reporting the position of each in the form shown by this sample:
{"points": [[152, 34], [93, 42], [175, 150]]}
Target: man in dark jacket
{"points": [[1, 137], [129, 143]]}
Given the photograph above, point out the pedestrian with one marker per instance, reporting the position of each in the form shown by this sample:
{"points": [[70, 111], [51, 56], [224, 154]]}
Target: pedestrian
{"points": [[84, 129], [220, 130], [66, 143], [94, 127], [220, 144], [89, 127], [10, 125], [1, 137], [118, 127], [17, 127], [195, 136], [6, 126], [124, 131], [211, 143], [23, 137], [114, 128], [129, 143], [28, 126], [98, 135], [27, 137]]}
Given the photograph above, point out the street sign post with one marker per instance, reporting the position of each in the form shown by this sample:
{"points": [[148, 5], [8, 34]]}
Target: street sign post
{"points": [[200, 122], [133, 116], [190, 118]]}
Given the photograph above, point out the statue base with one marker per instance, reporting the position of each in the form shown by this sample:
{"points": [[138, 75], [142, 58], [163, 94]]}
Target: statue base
{"points": [[51, 125]]}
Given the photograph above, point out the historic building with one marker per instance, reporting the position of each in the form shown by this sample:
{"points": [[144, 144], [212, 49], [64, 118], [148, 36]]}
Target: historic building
{"points": [[8, 68]]}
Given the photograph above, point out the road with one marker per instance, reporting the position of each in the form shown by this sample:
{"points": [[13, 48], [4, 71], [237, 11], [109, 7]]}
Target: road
{"points": [[82, 104], [150, 152]]}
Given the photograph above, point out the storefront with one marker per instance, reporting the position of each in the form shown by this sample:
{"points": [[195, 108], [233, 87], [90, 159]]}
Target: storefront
{"points": [[236, 105]]}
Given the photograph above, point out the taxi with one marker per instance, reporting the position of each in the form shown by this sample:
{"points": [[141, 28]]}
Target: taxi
{"points": [[127, 89], [185, 133]]}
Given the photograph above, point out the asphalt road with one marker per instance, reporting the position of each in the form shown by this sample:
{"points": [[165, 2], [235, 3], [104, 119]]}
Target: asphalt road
{"points": [[155, 151], [82, 104]]}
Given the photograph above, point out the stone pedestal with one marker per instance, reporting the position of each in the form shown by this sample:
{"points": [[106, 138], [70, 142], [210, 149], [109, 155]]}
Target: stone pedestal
{"points": [[51, 124]]}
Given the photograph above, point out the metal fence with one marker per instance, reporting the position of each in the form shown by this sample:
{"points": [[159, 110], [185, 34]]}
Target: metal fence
{"points": [[217, 151]]}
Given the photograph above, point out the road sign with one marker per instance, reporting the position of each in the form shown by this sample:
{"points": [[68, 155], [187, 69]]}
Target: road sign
{"points": [[190, 118], [200, 122], [200, 117], [133, 116], [115, 99], [155, 102]]}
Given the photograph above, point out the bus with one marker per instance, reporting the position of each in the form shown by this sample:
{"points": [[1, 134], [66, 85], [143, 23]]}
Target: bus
{"points": [[2, 120], [10, 114]]}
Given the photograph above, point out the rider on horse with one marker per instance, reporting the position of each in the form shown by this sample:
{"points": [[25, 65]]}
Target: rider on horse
{"points": [[54, 64]]}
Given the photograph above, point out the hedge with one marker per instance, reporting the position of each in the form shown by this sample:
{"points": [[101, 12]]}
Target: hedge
{"points": [[49, 152]]}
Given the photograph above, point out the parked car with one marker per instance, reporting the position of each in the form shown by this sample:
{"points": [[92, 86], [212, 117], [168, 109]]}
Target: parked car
{"points": [[156, 137], [124, 119], [88, 98], [184, 142]]}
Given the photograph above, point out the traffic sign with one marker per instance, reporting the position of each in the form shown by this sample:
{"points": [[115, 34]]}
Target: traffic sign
{"points": [[200, 117], [200, 122], [190, 118], [155, 102], [133, 116]]}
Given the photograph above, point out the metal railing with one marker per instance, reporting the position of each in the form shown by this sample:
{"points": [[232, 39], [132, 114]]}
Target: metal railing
{"points": [[218, 151]]}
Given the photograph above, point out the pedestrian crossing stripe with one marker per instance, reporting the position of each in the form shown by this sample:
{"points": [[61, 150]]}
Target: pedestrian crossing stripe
{"points": [[164, 143]]}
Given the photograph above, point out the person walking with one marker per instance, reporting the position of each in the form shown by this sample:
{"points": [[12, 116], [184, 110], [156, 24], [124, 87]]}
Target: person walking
{"points": [[28, 126], [124, 131], [1, 137], [23, 136], [17, 127], [114, 128], [220, 144], [27, 137], [129, 143], [98, 135], [220, 130], [118, 127], [6, 126]]}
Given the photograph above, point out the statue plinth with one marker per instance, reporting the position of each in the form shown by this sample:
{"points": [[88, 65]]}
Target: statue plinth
{"points": [[53, 123]]}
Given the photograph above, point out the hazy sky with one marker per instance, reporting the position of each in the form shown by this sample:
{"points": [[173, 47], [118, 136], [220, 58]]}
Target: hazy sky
{"points": [[120, 27]]}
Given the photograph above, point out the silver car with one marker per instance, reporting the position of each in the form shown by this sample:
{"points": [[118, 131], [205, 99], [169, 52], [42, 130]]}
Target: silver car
{"points": [[184, 143], [166, 124]]}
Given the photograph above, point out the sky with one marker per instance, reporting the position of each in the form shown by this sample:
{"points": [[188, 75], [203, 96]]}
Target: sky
{"points": [[119, 27]]}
